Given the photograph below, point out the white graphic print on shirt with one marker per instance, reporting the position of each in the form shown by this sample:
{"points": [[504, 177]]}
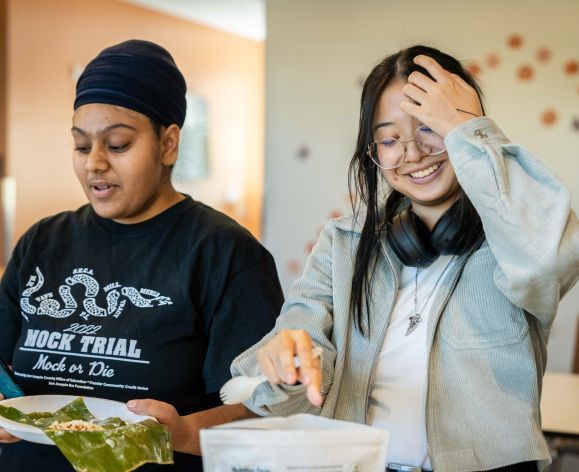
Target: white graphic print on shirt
{"points": [[56, 348], [51, 307]]}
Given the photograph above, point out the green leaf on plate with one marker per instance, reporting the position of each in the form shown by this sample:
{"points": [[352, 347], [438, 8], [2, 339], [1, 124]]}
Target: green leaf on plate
{"points": [[13, 414], [121, 447]]}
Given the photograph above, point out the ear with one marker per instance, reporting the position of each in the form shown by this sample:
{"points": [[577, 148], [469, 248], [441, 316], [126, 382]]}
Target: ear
{"points": [[170, 145]]}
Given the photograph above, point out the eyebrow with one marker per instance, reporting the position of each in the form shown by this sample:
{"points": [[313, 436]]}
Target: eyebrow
{"points": [[382, 125], [104, 130]]}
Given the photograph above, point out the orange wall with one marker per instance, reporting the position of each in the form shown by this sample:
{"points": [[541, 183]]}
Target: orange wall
{"points": [[2, 81], [48, 38], [3, 48]]}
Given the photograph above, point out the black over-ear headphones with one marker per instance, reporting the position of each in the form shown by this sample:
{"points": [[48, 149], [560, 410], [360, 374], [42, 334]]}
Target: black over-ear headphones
{"points": [[417, 246]]}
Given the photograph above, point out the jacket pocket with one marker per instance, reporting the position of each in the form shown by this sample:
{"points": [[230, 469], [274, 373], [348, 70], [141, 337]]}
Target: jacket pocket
{"points": [[478, 315]]}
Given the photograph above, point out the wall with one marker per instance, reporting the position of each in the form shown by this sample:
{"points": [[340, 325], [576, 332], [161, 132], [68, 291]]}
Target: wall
{"points": [[317, 55], [2, 81], [3, 111], [50, 39]]}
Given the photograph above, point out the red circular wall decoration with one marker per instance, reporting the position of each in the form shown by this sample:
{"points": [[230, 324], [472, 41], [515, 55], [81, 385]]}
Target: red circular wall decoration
{"points": [[549, 117], [543, 54], [525, 72], [493, 60], [571, 67], [473, 69], [293, 267], [515, 41]]}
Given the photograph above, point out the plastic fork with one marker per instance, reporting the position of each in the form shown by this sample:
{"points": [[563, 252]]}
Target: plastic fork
{"points": [[238, 389]]}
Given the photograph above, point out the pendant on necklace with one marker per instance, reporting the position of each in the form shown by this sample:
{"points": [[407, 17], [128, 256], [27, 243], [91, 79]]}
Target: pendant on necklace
{"points": [[413, 322]]}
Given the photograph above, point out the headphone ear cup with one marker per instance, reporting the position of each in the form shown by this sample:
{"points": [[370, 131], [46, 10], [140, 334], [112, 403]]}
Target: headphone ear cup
{"points": [[410, 240]]}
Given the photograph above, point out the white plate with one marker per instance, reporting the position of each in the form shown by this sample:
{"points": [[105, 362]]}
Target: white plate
{"points": [[99, 407]]}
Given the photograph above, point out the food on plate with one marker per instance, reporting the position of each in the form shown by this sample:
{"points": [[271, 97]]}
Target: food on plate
{"points": [[75, 425]]}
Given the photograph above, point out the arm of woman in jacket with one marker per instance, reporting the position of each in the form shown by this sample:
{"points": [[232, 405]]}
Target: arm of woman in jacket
{"points": [[306, 320]]}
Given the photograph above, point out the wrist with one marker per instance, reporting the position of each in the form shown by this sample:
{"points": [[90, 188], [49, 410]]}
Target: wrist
{"points": [[186, 430], [458, 121], [185, 437]]}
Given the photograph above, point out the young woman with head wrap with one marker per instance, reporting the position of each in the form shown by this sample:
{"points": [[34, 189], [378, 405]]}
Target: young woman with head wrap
{"points": [[143, 292]]}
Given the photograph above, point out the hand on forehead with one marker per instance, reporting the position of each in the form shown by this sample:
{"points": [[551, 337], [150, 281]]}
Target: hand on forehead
{"points": [[437, 73], [430, 64]]}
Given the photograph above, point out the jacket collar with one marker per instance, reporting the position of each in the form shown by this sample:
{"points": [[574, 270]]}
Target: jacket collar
{"points": [[354, 222]]}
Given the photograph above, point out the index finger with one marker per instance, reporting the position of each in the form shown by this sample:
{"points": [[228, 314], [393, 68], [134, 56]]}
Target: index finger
{"points": [[304, 348], [314, 389], [430, 64]]}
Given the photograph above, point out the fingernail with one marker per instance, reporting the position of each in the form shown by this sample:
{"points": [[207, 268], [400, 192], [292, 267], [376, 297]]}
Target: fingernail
{"points": [[320, 399], [289, 378], [306, 377], [131, 404]]}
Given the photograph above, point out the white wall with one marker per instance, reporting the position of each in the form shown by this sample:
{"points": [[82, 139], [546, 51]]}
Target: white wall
{"points": [[317, 53]]}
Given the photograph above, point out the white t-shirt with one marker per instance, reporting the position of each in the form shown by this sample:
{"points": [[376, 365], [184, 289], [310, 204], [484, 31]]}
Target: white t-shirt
{"points": [[398, 397]]}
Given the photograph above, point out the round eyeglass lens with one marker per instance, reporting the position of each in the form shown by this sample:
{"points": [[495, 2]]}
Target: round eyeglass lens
{"points": [[428, 142], [387, 153]]}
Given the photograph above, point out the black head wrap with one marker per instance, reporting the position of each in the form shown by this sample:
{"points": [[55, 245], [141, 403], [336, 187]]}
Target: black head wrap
{"points": [[138, 75]]}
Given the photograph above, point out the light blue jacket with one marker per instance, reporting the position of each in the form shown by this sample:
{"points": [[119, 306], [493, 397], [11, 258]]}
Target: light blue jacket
{"points": [[490, 321]]}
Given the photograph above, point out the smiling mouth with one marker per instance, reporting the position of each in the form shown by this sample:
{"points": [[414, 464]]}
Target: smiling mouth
{"points": [[426, 172]]}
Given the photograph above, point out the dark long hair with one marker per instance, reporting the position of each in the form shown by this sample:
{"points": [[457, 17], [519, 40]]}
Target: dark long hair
{"points": [[364, 175]]}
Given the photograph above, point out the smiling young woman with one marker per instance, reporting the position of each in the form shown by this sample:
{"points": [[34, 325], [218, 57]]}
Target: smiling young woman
{"points": [[433, 305]]}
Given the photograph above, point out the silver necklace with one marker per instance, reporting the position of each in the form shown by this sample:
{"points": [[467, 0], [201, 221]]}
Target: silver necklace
{"points": [[415, 319]]}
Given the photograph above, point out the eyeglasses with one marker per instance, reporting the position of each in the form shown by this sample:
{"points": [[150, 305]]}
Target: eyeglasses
{"points": [[389, 153]]}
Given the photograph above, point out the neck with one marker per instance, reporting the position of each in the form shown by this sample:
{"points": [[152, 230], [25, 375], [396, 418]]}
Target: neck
{"points": [[429, 215], [168, 198], [159, 203]]}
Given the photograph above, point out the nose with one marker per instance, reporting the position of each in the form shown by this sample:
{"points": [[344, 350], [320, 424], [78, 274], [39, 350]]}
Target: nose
{"points": [[96, 160], [413, 154]]}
